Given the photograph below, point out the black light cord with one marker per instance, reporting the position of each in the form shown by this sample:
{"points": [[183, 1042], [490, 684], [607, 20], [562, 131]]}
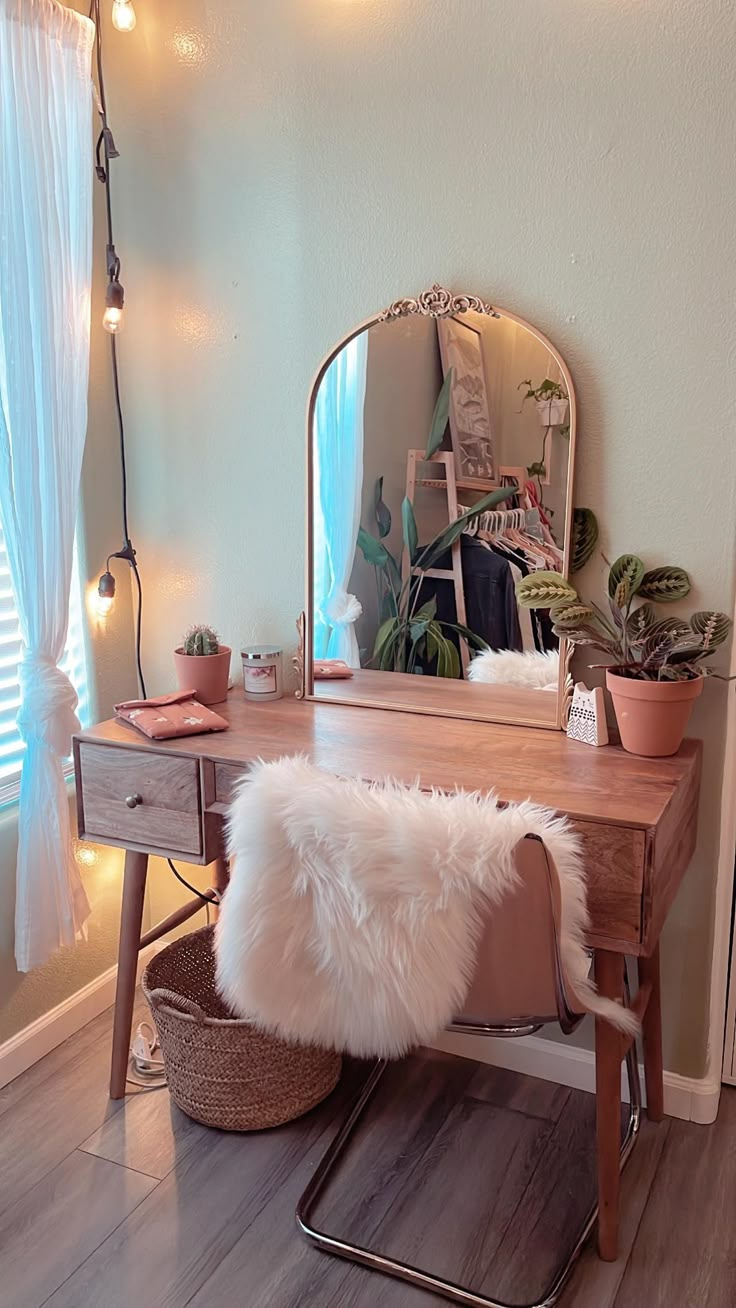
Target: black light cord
{"points": [[104, 151], [121, 430], [138, 628], [209, 896]]}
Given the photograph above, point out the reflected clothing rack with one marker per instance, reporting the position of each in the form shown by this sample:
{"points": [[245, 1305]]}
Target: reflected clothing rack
{"points": [[505, 625]]}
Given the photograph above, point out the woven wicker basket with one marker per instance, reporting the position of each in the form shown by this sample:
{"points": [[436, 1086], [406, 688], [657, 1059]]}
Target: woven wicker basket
{"points": [[220, 1070]]}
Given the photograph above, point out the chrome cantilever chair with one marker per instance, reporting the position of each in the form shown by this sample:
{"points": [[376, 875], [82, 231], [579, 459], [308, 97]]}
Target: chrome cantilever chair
{"points": [[519, 986]]}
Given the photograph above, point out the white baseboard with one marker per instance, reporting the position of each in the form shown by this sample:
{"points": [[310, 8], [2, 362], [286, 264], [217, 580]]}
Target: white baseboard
{"points": [[684, 1097], [25, 1048]]}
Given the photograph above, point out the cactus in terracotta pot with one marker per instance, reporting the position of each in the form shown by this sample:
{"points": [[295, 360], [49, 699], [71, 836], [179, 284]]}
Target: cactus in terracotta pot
{"points": [[201, 641], [203, 665]]}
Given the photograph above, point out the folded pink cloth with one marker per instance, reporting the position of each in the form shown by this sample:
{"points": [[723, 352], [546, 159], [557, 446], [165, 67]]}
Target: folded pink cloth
{"points": [[331, 669], [179, 714]]}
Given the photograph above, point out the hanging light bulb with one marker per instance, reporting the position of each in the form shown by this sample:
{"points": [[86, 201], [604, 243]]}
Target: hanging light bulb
{"points": [[123, 15], [105, 594], [112, 319]]}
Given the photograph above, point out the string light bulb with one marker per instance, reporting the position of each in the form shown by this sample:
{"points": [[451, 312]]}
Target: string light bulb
{"points": [[123, 15], [112, 319], [105, 594]]}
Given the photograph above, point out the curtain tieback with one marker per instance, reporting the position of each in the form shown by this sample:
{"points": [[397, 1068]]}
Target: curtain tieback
{"points": [[341, 609], [48, 700]]}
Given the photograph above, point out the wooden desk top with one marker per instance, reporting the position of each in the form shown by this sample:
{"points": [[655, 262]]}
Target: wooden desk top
{"points": [[597, 785]]}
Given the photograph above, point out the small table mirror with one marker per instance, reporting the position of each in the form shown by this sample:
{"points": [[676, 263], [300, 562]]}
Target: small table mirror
{"points": [[441, 440]]}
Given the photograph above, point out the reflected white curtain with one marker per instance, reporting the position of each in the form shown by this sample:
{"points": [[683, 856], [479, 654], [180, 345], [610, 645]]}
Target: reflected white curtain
{"points": [[45, 266], [338, 476]]}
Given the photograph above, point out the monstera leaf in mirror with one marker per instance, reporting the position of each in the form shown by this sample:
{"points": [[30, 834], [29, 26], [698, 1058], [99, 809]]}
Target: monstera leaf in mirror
{"points": [[432, 492]]}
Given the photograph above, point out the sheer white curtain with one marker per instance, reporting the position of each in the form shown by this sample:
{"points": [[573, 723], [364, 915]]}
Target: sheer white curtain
{"points": [[338, 472], [45, 266]]}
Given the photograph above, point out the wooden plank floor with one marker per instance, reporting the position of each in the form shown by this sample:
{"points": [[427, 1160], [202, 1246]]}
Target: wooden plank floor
{"points": [[472, 1172]]}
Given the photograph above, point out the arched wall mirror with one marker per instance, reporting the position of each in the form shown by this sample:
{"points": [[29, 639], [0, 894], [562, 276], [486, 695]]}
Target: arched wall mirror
{"points": [[441, 441]]}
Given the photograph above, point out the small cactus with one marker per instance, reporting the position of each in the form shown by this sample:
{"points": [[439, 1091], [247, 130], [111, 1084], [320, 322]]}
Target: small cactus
{"points": [[201, 641]]}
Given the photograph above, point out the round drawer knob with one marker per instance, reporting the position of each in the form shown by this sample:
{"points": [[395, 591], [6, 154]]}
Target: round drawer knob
{"points": [[133, 801]]}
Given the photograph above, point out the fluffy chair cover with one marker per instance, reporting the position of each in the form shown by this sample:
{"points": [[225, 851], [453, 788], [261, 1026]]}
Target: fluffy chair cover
{"points": [[354, 911], [506, 667]]}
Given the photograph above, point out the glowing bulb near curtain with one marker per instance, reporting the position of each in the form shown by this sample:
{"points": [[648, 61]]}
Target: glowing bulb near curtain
{"points": [[105, 597], [123, 15], [112, 319]]}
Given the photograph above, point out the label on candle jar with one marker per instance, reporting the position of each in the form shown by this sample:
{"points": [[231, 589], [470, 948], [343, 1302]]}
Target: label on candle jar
{"points": [[259, 679]]}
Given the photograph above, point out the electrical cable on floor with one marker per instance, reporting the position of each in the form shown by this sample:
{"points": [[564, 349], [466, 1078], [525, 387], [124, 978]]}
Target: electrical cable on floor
{"points": [[143, 1069]]}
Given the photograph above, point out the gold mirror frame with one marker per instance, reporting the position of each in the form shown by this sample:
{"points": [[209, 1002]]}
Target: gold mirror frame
{"points": [[516, 706]]}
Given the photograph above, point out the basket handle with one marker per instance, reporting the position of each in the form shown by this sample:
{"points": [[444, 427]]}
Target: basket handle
{"points": [[161, 998]]}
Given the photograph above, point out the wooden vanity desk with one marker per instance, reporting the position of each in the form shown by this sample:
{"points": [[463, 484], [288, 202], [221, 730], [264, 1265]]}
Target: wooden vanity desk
{"points": [[637, 819]]}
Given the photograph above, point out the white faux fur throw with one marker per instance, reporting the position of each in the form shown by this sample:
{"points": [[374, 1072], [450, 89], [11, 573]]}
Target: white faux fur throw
{"points": [[354, 910], [507, 667]]}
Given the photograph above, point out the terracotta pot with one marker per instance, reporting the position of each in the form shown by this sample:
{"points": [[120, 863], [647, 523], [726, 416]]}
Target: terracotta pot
{"points": [[206, 674], [652, 716]]}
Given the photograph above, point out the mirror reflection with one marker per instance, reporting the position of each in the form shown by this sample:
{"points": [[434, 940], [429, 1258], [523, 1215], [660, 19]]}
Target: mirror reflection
{"points": [[441, 457]]}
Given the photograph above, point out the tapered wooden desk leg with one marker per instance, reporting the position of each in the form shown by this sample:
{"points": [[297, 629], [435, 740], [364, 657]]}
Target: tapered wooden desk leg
{"points": [[222, 877], [131, 918], [609, 975], [652, 1037]]}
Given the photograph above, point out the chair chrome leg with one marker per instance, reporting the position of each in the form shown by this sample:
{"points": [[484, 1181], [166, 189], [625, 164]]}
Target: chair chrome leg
{"points": [[414, 1275]]}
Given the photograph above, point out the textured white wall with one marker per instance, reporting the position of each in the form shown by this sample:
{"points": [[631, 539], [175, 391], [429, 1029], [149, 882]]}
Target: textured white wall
{"points": [[288, 168]]}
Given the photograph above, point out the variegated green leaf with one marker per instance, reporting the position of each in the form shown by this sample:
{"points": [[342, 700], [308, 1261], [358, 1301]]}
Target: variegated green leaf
{"points": [[616, 614], [584, 538], [664, 585], [712, 627], [576, 636], [624, 579], [662, 638], [571, 615], [680, 672], [688, 650], [639, 622], [586, 635], [675, 628], [542, 590]]}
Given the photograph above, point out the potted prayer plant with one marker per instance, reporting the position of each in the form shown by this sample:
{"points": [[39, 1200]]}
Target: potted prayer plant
{"points": [[657, 664], [203, 665], [551, 400]]}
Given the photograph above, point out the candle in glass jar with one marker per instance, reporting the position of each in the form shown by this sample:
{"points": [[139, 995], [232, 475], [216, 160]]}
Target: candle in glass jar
{"points": [[262, 672]]}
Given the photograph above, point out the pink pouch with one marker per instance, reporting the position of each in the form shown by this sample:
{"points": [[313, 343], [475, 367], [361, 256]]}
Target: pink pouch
{"points": [[179, 714], [331, 670]]}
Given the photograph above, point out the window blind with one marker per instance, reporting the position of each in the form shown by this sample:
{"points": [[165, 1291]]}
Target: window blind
{"points": [[73, 663]]}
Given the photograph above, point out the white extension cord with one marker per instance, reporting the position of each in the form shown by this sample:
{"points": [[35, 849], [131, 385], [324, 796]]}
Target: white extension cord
{"points": [[143, 1068]]}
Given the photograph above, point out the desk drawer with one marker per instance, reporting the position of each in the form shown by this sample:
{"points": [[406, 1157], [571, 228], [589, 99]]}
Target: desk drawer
{"points": [[614, 864], [227, 777], [168, 814]]}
